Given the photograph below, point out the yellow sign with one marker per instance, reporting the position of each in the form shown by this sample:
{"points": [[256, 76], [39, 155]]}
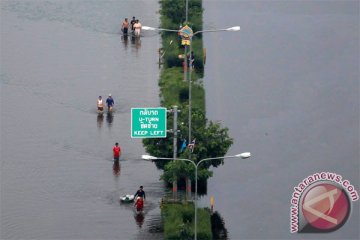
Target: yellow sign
{"points": [[186, 32], [212, 203], [185, 42]]}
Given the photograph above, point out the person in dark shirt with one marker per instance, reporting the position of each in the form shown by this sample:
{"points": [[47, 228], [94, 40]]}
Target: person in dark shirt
{"points": [[132, 22], [140, 193], [110, 103]]}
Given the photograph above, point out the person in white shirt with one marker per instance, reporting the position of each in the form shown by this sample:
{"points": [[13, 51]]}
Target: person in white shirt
{"points": [[137, 27], [100, 104]]}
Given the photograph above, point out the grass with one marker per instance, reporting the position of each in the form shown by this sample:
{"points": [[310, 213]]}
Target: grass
{"points": [[179, 222]]}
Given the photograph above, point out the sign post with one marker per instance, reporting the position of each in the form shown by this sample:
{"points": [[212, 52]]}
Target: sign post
{"points": [[148, 122]]}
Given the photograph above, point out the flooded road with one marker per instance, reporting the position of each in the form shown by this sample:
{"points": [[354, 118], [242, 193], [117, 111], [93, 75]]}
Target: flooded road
{"points": [[287, 86], [57, 176], [288, 93]]}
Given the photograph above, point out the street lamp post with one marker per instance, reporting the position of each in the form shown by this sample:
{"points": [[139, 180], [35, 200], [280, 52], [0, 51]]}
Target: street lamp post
{"points": [[231, 29], [243, 155]]}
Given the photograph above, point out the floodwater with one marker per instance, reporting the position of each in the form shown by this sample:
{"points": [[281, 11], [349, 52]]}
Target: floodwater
{"points": [[287, 86], [58, 180]]}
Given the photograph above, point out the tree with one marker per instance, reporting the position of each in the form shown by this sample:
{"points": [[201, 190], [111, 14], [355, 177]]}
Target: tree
{"points": [[211, 141]]}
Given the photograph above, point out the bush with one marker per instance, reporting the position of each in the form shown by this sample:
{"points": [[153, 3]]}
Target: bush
{"points": [[179, 222]]}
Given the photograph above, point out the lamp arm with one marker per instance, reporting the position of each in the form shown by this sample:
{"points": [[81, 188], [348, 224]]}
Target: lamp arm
{"points": [[207, 159], [215, 30], [177, 159]]}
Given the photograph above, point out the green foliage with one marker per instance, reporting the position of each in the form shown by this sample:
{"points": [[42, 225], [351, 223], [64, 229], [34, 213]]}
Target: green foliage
{"points": [[174, 10], [177, 169], [197, 48], [172, 52], [179, 222], [204, 224], [172, 17], [218, 228], [159, 147], [170, 82], [211, 139]]}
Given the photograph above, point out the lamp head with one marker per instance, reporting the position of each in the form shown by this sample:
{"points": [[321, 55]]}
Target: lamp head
{"points": [[234, 29], [148, 157], [148, 28], [244, 155]]}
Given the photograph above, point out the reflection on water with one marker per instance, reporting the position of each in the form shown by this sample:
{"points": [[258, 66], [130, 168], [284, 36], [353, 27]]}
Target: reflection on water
{"points": [[156, 224], [100, 120], [116, 168], [218, 226], [125, 40], [139, 218], [136, 42], [109, 119]]}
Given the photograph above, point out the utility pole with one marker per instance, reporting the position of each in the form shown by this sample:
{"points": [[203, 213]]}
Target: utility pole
{"points": [[175, 111], [185, 48]]}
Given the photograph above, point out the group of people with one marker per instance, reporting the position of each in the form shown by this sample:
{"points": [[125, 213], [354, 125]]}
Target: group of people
{"points": [[109, 102], [139, 196], [134, 25]]}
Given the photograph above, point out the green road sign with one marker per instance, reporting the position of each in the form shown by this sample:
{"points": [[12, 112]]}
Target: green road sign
{"points": [[148, 122]]}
